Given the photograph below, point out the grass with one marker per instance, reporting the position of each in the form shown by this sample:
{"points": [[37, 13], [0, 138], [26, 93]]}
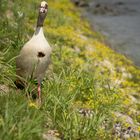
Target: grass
{"points": [[84, 74], [61, 102]]}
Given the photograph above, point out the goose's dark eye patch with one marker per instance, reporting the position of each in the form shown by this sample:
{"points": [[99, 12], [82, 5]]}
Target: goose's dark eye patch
{"points": [[41, 54], [46, 6]]}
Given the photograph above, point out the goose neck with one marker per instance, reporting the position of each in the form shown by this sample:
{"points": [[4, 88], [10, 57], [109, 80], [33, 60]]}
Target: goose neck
{"points": [[39, 31], [40, 20]]}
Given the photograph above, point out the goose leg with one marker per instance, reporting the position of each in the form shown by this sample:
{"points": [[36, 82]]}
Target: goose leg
{"points": [[39, 91]]}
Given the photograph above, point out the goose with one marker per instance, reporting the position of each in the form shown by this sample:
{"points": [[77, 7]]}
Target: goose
{"points": [[34, 57]]}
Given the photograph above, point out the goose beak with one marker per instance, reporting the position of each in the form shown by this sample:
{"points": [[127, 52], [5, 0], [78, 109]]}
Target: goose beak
{"points": [[43, 7]]}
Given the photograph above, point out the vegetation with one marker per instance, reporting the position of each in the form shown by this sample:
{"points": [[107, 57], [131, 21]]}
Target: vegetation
{"points": [[84, 74]]}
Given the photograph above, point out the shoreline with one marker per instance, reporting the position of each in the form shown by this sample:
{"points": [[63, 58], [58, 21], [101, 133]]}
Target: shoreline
{"points": [[118, 22]]}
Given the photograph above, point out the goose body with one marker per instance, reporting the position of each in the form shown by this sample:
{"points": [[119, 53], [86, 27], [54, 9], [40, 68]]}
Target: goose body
{"points": [[34, 57]]}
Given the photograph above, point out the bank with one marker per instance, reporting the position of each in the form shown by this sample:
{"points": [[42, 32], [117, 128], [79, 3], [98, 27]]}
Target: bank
{"points": [[88, 89]]}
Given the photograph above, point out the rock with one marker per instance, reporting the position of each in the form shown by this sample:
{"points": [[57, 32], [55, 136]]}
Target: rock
{"points": [[125, 134], [51, 135], [86, 112], [122, 132], [4, 89], [105, 9], [127, 118], [133, 99], [119, 3], [80, 3]]}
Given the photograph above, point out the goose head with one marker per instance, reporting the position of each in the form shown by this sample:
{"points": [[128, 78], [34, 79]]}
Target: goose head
{"points": [[43, 8]]}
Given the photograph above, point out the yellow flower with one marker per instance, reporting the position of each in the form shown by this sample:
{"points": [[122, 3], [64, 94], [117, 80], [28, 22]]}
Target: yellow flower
{"points": [[57, 134], [138, 128], [33, 105]]}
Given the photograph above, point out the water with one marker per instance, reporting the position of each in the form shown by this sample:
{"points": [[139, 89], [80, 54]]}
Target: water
{"points": [[119, 21]]}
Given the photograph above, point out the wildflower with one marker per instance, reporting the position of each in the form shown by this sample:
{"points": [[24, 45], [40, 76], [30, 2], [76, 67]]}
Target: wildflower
{"points": [[20, 14], [33, 105], [138, 128]]}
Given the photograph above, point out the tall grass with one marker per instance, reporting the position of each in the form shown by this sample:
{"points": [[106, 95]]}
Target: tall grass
{"points": [[60, 109], [75, 79]]}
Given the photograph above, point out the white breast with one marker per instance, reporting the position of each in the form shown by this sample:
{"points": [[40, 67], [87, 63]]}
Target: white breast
{"points": [[34, 57]]}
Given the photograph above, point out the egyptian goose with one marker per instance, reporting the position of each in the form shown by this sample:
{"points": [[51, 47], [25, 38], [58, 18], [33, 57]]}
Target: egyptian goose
{"points": [[34, 57]]}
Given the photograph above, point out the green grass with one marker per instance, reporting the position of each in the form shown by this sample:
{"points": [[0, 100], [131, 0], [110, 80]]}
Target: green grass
{"points": [[61, 101], [83, 74]]}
